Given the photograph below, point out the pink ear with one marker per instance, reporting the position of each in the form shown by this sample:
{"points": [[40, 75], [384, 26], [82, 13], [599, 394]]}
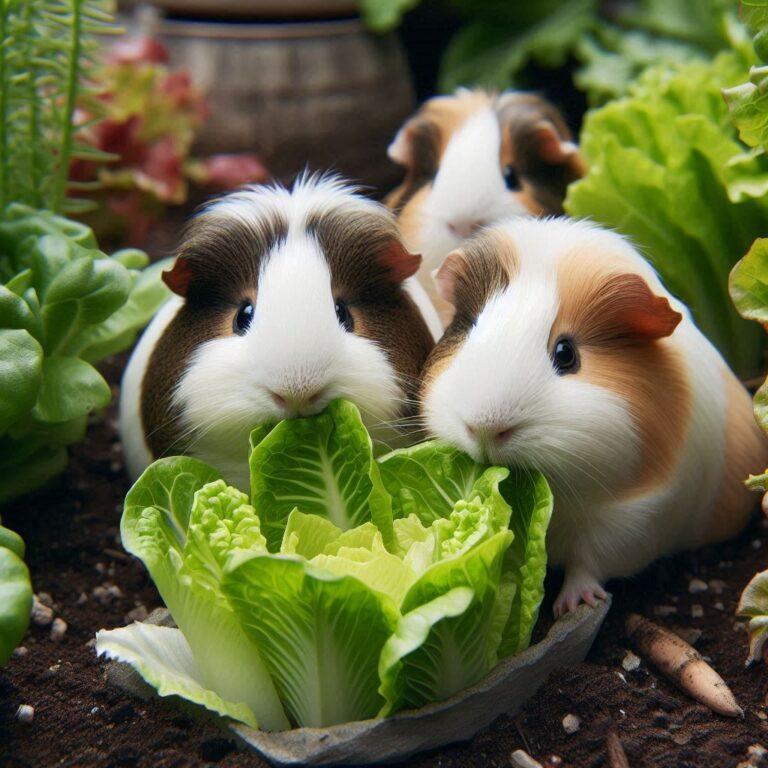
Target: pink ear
{"points": [[400, 262], [550, 146], [629, 306], [445, 276], [179, 277], [399, 150]]}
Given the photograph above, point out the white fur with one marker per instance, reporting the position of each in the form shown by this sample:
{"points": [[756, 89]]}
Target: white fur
{"points": [[580, 435], [468, 190], [294, 346]]}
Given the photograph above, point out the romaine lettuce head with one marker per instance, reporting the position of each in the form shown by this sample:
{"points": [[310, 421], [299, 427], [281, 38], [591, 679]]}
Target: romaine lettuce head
{"points": [[307, 603]]}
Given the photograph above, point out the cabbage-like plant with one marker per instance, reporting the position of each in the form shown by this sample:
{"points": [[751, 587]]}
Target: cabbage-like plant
{"points": [[344, 587], [15, 593], [64, 304]]}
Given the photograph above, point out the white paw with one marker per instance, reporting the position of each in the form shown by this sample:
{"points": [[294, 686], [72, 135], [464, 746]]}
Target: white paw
{"points": [[578, 589]]}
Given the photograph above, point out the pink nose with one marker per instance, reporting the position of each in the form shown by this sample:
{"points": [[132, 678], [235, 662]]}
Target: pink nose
{"points": [[296, 401], [464, 228], [493, 434]]}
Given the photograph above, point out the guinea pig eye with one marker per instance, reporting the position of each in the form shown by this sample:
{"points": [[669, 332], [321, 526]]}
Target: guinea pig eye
{"points": [[344, 316], [565, 358], [243, 318], [511, 179]]}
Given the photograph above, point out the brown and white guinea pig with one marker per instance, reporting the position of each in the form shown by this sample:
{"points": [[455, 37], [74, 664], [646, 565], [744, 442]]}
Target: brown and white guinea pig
{"points": [[473, 158], [286, 300], [568, 355]]}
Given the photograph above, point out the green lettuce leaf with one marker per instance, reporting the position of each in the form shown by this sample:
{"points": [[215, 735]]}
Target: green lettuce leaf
{"points": [[452, 624], [319, 634], [184, 522], [754, 606], [162, 656], [321, 465]]}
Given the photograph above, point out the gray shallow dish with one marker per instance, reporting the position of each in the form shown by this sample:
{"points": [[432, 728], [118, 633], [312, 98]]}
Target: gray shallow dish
{"points": [[386, 740]]}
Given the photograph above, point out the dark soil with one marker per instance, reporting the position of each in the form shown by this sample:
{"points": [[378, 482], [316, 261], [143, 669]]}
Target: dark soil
{"points": [[71, 531]]}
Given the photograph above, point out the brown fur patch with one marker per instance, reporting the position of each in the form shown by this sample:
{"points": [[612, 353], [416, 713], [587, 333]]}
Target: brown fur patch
{"points": [[647, 373], [359, 251], [746, 451], [483, 266]]}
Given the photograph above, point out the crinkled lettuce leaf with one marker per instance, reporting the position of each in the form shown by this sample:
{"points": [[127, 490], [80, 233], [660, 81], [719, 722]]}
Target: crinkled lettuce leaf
{"points": [[183, 522], [754, 606], [660, 172], [321, 465], [320, 635]]}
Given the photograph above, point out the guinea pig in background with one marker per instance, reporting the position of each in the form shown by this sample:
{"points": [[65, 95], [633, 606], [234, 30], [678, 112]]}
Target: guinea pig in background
{"points": [[471, 159], [567, 354], [285, 301]]}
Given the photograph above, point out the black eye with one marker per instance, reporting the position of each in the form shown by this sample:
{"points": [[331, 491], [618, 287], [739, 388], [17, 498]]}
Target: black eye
{"points": [[243, 318], [564, 357], [511, 179], [345, 316]]}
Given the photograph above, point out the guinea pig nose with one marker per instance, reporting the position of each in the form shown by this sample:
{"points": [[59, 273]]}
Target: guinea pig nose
{"points": [[464, 228], [490, 434]]}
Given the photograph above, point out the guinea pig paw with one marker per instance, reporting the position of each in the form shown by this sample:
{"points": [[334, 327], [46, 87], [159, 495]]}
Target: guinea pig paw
{"points": [[581, 589]]}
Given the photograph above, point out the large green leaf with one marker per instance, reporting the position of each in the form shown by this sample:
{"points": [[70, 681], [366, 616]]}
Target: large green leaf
{"points": [[15, 597], [70, 388], [21, 363], [428, 479], [322, 465], [319, 634]]}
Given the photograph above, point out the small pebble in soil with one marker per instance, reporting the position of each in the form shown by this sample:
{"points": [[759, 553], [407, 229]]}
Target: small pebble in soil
{"points": [[697, 611], [22, 650], [756, 544], [664, 610], [717, 586], [139, 613], [718, 606], [681, 738], [521, 759], [630, 662], [100, 568], [45, 598], [757, 753], [25, 713], [58, 630], [83, 599], [555, 761], [42, 615], [697, 585], [571, 724]]}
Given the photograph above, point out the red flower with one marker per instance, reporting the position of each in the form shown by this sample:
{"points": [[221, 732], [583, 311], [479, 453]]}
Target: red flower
{"points": [[229, 171], [137, 50]]}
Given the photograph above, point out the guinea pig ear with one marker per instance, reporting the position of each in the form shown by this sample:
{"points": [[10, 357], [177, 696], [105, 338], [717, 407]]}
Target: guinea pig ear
{"points": [[551, 147], [399, 261], [179, 277], [445, 276], [631, 310], [400, 150]]}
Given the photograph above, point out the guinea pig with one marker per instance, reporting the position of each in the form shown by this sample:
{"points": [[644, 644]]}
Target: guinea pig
{"points": [[285, 301], [473, 158], [566, 354]]}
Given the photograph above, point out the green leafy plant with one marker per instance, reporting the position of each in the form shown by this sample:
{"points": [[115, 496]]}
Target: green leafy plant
{"points": [[667, 169], [345, 587], [64, 305], [15, 593]]}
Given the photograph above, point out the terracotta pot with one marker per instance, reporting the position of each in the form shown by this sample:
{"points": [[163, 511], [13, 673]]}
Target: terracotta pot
{"points": [[323, 94]]}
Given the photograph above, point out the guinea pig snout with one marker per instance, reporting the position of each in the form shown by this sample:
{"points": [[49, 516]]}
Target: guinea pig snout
{"points": [[301, 401], [490, 435], [464, 228]]}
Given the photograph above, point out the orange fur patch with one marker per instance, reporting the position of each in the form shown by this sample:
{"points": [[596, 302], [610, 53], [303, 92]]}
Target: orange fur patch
{"points": [[746, 450]]}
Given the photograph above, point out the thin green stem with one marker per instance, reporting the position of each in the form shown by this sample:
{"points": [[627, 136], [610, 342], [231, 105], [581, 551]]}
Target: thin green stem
{"points": [[35, 136], [4, 14], [68, 127]]}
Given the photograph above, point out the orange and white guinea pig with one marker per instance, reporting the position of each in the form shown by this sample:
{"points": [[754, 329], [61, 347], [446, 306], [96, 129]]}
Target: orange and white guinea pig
{"points": [[567, 354], [473, 158]]}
